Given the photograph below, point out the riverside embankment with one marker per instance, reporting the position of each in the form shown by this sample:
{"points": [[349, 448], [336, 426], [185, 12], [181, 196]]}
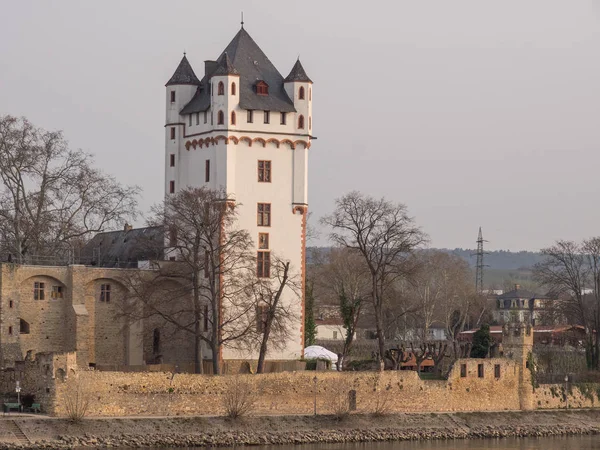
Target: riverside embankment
{"points": [[217, 431]]}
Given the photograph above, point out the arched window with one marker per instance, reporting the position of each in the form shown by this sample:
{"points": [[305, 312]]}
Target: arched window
{"points": [[221, 89], [309, 94], [232, 88], [301, 122], [301, 93], [220, 118], [232, 117], [309, 123]]}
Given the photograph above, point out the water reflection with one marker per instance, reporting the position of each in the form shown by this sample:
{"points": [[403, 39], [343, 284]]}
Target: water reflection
{"points": [[558, 443]]}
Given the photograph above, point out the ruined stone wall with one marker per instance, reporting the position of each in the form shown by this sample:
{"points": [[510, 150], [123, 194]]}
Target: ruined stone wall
{"points": [[578, 395], [75, 320], [117, 393]]}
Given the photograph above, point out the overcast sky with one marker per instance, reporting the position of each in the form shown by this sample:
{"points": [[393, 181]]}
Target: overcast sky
{"points": [[472, 113]]}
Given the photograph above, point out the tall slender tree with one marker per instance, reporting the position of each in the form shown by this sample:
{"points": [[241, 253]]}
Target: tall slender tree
{"points": [[386, 236], [214, 271], [571, 271]]}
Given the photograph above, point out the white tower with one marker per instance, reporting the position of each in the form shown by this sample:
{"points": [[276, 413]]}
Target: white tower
{"points": [[245, 129]]}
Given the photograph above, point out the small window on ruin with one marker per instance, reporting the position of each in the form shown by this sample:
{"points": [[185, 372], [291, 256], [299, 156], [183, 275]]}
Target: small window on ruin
{"points": [[480, 370], [23, 327], [10, 330], [105, 293], [463, 371], [10, 304], [156, 341], [497, 370], [39, 290], [57, 292]]}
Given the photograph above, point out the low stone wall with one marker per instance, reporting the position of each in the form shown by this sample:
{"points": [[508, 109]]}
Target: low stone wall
{"points": [[578, 395], [119, 394]]}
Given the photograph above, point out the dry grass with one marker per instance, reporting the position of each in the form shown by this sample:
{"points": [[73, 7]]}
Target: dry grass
{"points": [[339, 398], [381, 401], [238, 397], [77, 396]]}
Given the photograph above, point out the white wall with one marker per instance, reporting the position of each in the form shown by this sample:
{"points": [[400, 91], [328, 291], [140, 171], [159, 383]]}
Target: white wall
{"points": [[234, 167]]}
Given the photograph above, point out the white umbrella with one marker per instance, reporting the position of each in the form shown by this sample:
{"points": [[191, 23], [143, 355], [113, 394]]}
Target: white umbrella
{"points": [[318, 352]]}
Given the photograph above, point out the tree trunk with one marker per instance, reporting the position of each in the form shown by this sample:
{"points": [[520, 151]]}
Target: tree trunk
{"points": [[198, 366], [263, 349]]}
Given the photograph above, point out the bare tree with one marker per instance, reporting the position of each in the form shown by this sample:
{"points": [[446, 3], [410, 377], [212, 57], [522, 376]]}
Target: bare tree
{"points": [[572, 272], [210, 277], [275, 314], [52, 198], [385, 236], [343, 280]]}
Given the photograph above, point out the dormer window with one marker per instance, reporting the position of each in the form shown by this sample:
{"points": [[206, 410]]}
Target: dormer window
{"points": [[262, 88], [221, 88]]}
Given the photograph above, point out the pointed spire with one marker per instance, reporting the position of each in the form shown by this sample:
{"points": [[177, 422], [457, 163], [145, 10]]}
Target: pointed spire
{"points": [[226, 66], [184, 74], [298, 73]]}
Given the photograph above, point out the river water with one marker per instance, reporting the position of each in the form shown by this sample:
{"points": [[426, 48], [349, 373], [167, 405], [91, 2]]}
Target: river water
{"points": [[556, 443]]}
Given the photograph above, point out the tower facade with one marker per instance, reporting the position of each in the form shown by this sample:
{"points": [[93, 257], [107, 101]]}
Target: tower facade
{"points": [[245, 129]]}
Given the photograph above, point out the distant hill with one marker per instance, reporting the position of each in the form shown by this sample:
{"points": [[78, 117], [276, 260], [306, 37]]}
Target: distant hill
{"points": [[499, 259], [503, 268], [494, 260]]}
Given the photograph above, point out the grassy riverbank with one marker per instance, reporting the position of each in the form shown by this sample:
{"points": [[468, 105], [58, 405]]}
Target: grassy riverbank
{"points": [[181, 432]]}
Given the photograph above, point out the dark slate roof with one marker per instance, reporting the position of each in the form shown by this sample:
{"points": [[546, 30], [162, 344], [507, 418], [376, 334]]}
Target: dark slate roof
{"points": [[124, 248], [518, 293], [226, 67], [184, 74], [253, 65], [298, 73]]}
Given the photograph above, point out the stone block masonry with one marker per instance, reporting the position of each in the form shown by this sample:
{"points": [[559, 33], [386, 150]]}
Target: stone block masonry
{"points": [[157, 394]]}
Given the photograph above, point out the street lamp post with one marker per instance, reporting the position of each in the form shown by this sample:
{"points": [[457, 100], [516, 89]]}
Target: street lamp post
{"points": [[315, 402], [18, 391], [567, 391]]}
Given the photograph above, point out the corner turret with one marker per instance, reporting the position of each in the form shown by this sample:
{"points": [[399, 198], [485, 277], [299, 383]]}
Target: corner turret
{"points": [[298, 86], [180, 89]]}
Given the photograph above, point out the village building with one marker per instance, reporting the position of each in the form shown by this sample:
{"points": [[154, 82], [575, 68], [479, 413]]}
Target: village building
{"points": [[520, 305]]}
